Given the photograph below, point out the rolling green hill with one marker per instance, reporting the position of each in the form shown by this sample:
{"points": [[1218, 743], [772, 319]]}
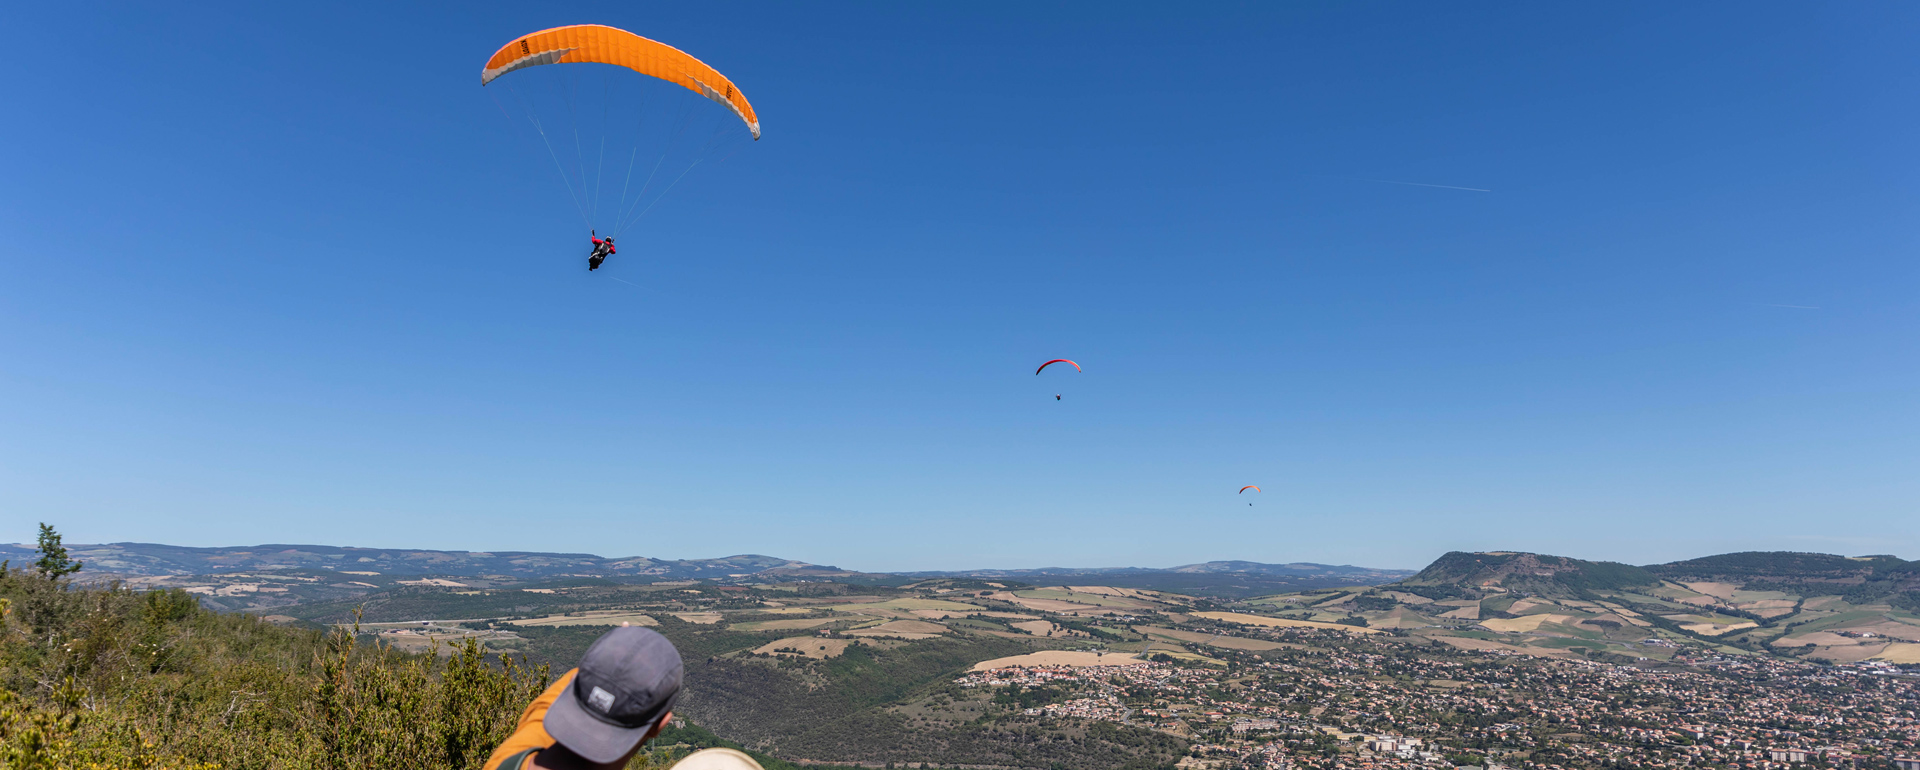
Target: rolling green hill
{"points": [[1857, 579], [1514, 571], [847, 669]]}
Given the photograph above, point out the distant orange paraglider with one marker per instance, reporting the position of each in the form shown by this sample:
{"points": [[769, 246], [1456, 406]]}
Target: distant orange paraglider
{"points": [[1244, 489], [602, 44]]}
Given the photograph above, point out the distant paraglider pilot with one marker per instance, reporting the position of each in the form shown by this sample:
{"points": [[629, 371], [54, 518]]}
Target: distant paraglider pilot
{"points": [[1043, 367], [601, 248]]}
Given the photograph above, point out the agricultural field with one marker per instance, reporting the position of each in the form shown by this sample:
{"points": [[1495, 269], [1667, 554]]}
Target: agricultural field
{"points": [[867, 673], [591, 618], [782, 625], [1261, 620], [1428, 671]]}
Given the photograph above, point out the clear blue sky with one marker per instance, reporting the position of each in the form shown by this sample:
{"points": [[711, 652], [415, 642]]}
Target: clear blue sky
{"points": [[279, 272]]}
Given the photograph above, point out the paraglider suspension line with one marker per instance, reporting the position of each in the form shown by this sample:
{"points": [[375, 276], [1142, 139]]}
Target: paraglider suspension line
{"points": [[714, 141], [624, 222], [600, 167], [579, 157], [557, 166], [638, 125]]}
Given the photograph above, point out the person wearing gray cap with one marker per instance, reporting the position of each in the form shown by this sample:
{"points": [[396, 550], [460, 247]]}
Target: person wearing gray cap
{"points": [[599, 714]]}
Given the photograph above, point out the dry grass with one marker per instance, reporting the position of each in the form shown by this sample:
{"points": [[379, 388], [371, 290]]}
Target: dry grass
{"points": [[1261, 620], [906, 609], [419, 643], [1768, 604], [594, 618], [440, 582], [781, 625], [1900, 652], [1716, 629], [1060, 658], [909, 605], [1525, 624], [1470, 643], [1338, 597], [1401, 617], [1191, 656], [1622, 619], [1035, 627], [1049, 605], [808, 647], [1212, 640], [1719, 590], [903, 629], [1891, 628], [1131, 593], [1851, 654], [1815, 639]]}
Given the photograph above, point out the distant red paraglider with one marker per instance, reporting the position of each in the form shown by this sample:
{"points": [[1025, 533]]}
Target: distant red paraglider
{"points": [[1243, 490], [1043, 367]]}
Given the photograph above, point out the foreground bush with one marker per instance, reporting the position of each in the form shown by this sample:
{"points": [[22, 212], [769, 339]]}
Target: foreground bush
{"points": [[110, 678]]}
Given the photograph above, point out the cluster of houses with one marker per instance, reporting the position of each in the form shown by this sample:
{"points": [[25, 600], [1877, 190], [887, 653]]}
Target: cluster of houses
{"points": [[1385, 701], [1027, 676]]}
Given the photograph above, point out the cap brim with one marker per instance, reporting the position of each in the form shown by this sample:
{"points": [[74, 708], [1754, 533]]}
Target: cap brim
{"points": [[584, 734]]}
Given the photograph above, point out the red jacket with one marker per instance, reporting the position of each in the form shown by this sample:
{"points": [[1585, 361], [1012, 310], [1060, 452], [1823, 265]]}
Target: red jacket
{"points": [[597, 242]]}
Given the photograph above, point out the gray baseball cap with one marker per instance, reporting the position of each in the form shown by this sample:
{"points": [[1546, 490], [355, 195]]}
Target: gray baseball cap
{"points": [[628, 679]]}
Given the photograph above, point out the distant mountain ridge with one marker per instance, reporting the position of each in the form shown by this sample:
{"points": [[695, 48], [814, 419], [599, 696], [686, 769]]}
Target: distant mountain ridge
{"points": [[148, 559], [1504, 568], [1532, 572], [1296, 569], [1860, 577], [1213, 578], [152, 559], [1792, 566]]}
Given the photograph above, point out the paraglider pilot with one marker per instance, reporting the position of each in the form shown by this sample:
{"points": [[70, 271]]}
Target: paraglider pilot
{"points": [[601, 248]]}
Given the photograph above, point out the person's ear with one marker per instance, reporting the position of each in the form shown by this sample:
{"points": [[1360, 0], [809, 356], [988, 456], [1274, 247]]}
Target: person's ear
{"points": [[658, 726]]}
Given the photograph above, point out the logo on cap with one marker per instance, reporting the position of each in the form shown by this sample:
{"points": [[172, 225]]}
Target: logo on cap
{"points": [[601, 700]]}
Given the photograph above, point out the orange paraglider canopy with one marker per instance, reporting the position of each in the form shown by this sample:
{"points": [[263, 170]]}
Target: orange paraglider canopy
{"points": [[608, 45], [1076, 367], [1247, 487]]}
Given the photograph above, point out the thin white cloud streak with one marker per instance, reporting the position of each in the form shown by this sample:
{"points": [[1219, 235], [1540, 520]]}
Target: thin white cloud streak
{"points": [[635, 285], [1424, 184]]}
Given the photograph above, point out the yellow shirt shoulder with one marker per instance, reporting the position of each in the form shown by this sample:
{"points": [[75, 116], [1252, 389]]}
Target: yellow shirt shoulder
{"points": [[531, 733]]}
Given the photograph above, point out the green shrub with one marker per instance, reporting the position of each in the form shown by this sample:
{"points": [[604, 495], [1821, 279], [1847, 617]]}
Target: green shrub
{"points": [[108, 678]]}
